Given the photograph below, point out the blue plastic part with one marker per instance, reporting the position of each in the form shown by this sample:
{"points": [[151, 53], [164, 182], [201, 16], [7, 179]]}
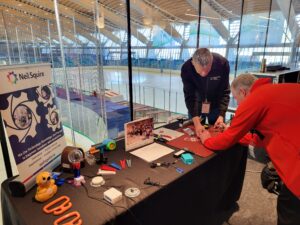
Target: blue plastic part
{"points": [[115, 165], [187, 158], [179, 170], [76, 172], [59, 181], [109, 144]]}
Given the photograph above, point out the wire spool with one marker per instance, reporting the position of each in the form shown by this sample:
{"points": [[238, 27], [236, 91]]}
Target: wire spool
{"points": [[132, 192], [75, 155], [71, 155]]}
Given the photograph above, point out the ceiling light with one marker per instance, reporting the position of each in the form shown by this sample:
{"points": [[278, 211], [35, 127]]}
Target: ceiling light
{"points": [[100, 22], [206, 17], [147, 21]]}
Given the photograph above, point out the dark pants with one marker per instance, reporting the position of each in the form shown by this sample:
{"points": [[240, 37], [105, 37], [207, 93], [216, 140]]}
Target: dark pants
{"points": [[212, 116], [288, 208]]}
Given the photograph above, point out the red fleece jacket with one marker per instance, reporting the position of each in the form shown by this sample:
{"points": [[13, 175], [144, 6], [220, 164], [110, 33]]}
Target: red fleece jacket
{"points": [[273, 110]]}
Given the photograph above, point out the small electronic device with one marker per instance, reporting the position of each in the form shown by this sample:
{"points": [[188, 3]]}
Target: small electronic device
{"points": [[179, 170], [187, 158], [179, 153], [112, 195]]}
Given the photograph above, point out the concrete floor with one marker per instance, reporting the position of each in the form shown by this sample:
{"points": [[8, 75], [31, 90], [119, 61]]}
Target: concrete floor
{"points": [[256, 205]]}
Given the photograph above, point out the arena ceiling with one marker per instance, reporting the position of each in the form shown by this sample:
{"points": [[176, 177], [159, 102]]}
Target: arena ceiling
{"points": [[29, 15]]}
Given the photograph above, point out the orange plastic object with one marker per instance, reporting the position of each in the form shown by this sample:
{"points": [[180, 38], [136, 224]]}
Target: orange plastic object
{"points": [[58, 209], [93, 150], [75, 221]]}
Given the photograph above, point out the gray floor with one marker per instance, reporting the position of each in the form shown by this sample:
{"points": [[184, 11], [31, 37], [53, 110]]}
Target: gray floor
{"points": [[257, 205]]}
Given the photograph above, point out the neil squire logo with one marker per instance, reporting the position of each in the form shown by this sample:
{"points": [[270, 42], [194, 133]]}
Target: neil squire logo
{"points": [[13, 77]]}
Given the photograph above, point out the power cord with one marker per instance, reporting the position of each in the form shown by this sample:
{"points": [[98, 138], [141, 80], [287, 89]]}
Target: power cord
{"points": [[113, 206]]}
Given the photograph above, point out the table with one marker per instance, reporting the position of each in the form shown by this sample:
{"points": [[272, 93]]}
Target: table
{"points": [[283, 76], [199, 196]]}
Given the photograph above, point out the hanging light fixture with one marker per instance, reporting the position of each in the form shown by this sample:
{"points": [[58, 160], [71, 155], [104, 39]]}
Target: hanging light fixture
{"points": [[147, 21], [100, 22]]}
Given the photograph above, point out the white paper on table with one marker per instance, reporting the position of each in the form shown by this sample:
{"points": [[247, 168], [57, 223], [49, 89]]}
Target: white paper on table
{"points": [[165, 131], [152, 152]]}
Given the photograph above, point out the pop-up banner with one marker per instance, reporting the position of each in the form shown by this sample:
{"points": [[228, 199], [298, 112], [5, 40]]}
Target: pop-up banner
{"points": [[31, 120]]}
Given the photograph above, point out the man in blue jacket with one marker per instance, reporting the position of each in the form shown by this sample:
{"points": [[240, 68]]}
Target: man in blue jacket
{"points": [[206, 87]]}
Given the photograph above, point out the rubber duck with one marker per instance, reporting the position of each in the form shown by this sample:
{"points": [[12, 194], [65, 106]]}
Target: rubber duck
{"points": [[46, 187]]}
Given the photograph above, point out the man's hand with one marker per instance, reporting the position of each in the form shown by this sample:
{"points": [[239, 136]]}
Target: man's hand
{"points": [[220, 123], [199, 129], [204, 135]]}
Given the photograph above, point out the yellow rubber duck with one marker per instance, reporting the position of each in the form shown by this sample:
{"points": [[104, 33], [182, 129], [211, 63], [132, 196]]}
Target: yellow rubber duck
{"points": [[46, 187]]}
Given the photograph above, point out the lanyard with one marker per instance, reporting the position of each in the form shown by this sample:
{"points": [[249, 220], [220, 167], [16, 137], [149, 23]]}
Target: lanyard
{"points": [[206, 90]]}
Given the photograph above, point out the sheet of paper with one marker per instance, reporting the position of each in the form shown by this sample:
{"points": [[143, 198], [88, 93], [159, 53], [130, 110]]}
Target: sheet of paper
{"points": [[168, 133], [152, 152]]}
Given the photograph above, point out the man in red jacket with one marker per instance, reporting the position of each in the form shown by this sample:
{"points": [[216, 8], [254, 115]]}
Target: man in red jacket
{"points": [[273, 110]]}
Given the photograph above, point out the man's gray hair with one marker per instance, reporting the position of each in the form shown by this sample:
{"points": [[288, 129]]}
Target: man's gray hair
{"points": [[245, 81], [202, 56]]}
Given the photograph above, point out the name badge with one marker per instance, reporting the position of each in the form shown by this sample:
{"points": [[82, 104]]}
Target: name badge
{"points": [[205, 107], [215, 78]]}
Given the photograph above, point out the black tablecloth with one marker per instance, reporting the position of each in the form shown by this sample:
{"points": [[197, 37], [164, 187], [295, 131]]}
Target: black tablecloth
{"points": [[198, 196]]}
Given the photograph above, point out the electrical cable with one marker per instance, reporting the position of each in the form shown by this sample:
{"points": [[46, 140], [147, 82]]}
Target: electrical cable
{"points": [[113, 206]]}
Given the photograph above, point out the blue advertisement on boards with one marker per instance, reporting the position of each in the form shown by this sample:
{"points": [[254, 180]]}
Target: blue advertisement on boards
{"points": [[31, 118], [32, 122]]}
